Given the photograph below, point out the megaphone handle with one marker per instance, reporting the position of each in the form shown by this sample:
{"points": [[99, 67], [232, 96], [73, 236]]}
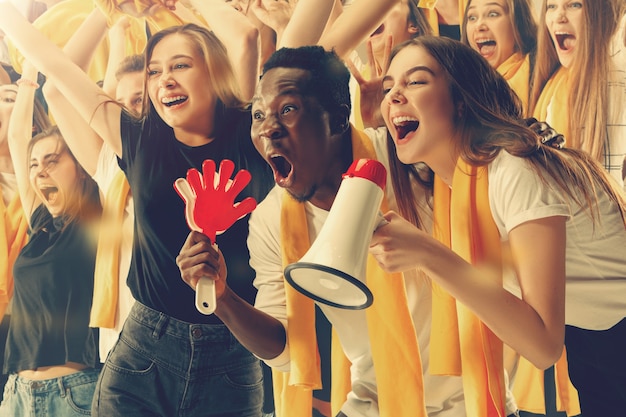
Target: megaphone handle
{"points": [[206, 300]]}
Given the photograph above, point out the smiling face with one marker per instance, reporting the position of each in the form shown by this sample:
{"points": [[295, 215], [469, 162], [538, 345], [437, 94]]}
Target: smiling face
{"points": [[490, 30], [418, 108], [564, 20], [291, 130], [179, 87], [53, 174], [8, 93]]}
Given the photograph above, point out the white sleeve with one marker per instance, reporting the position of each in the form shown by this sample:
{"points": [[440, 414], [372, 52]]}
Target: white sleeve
{"points": [[266, 260], [106, 168], [517, 194]]}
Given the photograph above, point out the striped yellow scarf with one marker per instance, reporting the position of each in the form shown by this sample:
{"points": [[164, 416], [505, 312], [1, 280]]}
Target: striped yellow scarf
{"points": [[394, 342], [13, 237], [106, 276], [460, 343]]}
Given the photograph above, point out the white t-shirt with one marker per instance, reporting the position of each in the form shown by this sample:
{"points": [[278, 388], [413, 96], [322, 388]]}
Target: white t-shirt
{"points": [[595, 253], [444, 395], [106, 170]]}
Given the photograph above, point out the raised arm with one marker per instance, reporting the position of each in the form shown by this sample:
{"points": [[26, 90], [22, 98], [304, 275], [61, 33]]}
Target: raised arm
{"points": [[84, 142], [93, 105], [239, 36], [20, 132]]}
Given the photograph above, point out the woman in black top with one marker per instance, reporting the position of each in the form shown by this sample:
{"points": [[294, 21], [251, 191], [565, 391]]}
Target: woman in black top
{"points": [[51, 353], [170, 359]]}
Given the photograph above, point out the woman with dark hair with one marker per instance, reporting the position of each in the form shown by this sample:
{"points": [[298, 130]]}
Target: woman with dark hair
{"points": [[503, 200], [51, 352]]}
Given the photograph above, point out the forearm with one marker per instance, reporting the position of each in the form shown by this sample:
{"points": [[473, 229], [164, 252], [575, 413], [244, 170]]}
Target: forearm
{"points": [[512, 319], [306, 24], [239, 36], [260, 333]]}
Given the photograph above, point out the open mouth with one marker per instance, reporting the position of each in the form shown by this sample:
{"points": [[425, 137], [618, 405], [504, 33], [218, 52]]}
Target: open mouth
{"points": [[50, 193], [379, 30], [282, 168], [565, 41], [405, 125], [173, 101], [486, 46]]}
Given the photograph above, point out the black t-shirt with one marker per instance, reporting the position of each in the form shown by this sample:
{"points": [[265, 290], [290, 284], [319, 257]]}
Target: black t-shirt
{"points": [[152, 159], [52, 297]]}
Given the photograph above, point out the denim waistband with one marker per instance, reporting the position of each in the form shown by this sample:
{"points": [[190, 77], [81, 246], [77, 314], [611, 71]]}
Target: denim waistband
{"points": [[60, 384], [161, 323]]}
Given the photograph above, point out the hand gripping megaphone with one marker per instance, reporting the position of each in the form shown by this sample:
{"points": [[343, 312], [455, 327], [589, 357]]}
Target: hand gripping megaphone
{"points": [[332, 271]]}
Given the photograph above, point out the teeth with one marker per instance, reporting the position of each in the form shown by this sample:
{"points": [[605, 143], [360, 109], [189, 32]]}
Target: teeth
{"points": [[484, 40], [168, 100], [403, 119]]}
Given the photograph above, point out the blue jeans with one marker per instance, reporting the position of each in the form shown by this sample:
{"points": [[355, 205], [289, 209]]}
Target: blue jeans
{"points": [[165, 367], [67, 396]]}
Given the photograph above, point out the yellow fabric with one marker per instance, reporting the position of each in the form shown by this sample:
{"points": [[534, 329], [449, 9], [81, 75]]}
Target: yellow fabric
{"points": [[464, 345], [106, 276], [58, 24], [13, 237], [554, 98], [431, 15], [528, 388], [394, 342], [516, 70]]}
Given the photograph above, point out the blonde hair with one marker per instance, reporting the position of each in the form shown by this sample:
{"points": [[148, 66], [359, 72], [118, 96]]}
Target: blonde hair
{"points": [[221, 75], [588, 97]]}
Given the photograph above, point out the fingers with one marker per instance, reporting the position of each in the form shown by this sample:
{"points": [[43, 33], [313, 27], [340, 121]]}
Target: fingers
{"points": [[387, 53], [197, 258], [355, 72]]}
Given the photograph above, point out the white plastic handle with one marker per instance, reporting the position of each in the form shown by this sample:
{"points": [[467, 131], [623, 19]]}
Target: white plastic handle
{"points": [[205, 296], [206, 300]]}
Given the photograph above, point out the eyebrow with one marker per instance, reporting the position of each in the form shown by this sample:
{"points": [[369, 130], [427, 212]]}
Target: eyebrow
{"points": [[411, 71], [289, 91], [48, 157], [172, 58]]}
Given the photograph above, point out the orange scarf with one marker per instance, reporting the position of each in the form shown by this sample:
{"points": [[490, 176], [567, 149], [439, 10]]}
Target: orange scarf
{"points": [[107, 274], [392, 335], [460, 343], [13, 237], [516, 70]]}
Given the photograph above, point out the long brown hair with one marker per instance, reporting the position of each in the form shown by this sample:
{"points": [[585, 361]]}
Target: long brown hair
{"points": [[84, 203], [490, 122], [588, 98]]}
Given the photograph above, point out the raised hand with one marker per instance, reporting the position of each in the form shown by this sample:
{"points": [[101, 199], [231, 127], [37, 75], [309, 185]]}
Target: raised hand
{"points": [[210, 208]]}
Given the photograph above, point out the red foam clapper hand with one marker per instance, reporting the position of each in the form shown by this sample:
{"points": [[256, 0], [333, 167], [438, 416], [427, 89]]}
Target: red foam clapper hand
{"points": [[210, 208]]}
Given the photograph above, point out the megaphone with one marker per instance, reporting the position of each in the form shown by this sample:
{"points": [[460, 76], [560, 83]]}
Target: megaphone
{"points": [[333, 269]]}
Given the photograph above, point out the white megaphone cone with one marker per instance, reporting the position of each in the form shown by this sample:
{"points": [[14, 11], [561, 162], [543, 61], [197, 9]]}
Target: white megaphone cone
{"points": [[333, 270]]}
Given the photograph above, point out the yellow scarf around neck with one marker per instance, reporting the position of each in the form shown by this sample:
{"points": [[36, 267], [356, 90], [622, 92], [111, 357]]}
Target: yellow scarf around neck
{"points": [[13, 237], [516, 71], [395, 350], [460, 343], [555, 98], [106, 276], [429, 8]]}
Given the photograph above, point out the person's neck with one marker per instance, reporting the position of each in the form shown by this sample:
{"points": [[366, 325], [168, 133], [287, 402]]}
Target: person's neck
{"points": [[448, 12], [325, 195], [194, 138]]}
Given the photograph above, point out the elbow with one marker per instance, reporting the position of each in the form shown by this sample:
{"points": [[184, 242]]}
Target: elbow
{"points": [[549, 356]]}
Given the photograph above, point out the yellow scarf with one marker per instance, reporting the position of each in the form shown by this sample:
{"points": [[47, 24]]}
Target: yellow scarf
{"points": [[460, 343], [554, 97], [106, 276], [13, 237], [431, 15], [392, 335], [516, 70], [528, 388]]}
